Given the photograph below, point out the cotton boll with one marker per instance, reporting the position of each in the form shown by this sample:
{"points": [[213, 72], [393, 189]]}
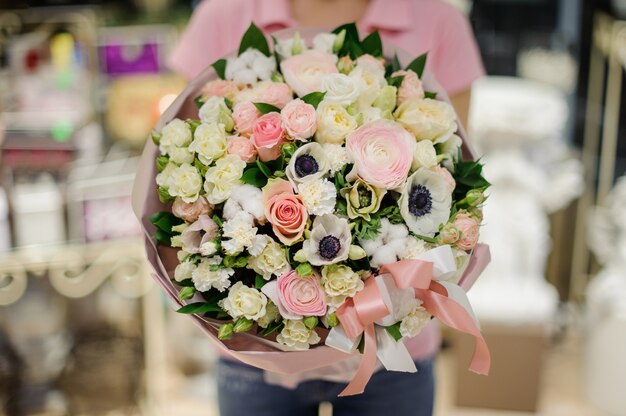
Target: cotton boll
{"points": [[249, 56], [251, 199], [264, 67], [245, 76], [231, 208], [370, 246], [233, 66], [397, 232], [398, 246], [384, 255]]}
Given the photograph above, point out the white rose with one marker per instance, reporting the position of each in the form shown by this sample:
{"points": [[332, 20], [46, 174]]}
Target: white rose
{"points": [[270, 262], [209, 142], [340, 89], [425, 155], [204, 277], [244, 301], [297, 336], [222, 178], [180, 155], [215, 110], [414, 322], [186, 182], [338, 282], [370, 82], [370, 114], [176, 133], [163, 179], [183, 271], [427, 119], [324, 42], [333, 123], [271, 315]]}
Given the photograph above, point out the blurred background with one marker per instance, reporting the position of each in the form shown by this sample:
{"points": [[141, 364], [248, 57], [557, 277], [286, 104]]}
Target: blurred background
{"points": [[84, 331]]}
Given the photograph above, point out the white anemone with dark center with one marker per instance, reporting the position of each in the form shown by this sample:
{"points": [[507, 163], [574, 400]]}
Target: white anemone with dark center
{"points": [[329, 242], [425, 202], [307, 163]]}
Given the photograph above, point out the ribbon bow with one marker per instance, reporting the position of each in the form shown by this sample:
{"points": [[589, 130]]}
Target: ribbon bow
{"points": [[443, 300]]}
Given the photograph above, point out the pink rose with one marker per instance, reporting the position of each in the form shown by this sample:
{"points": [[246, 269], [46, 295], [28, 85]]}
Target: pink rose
{"points": [[245, 114], [267, 136], [220, 88], [445, 173], [197, 234], [275, 93], [284, 210], [304, 72], [191, 211], [382, 152], [241, 147], [302, 296], [468, 226], [299, 119], [411, 86]]}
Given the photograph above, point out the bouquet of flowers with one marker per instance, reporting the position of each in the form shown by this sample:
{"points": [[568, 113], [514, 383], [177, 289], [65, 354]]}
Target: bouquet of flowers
{"points": [[315, 198]]}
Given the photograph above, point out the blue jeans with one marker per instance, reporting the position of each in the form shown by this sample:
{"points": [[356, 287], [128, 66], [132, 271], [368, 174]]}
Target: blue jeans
{"points": [[242, 391]]}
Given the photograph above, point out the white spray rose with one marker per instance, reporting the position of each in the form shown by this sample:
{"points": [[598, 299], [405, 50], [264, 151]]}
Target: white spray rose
{"points": [[427, 119], [222, 178], [209, 142], [297, 336], [333, 123], [272, 261], [244, 301], [340, 281], [340, 89], [185, 181]]}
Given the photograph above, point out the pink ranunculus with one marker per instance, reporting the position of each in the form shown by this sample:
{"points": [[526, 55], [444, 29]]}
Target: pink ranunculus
{"points": [[299, 119], [411, 86], [445, 173], [275, 93], [241, 147], [197, 234], [267, 136], [382, 152], [245, 114], [304, 72], [302, 296], [220, 88], [191, 211], [468, 226], [284, 210]]}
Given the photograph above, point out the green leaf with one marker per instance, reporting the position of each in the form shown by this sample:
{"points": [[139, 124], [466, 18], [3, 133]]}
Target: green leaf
{"points": [[199, 308], [429, 94], [254, 177], [418, 64], [202, 168], [161, 162], [163, 237], [314, 98], [164, 195], [396, 81], [394, 331], [186, 293], [265, 108], [198, 101], [372, 44], [264, 169], [164, 221], [184, 283], [276, 326], [259, 282], [254, 38], [352, 38], [228, 103], [220, 68]]}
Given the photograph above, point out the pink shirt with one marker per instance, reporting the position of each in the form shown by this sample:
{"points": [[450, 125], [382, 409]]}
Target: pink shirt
{"points": [[418, 26]]}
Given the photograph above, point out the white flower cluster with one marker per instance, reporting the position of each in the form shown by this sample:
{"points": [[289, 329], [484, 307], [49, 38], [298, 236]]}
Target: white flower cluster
{"points": [[296, 335], [249, 67]]}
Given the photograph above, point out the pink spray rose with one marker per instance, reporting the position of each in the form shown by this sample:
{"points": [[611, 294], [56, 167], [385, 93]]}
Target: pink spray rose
{"points": [[191, 211], [220, 88], [372, 62], [241, 147], [284, 210], [445, 174], [304, 72], [275, 93], [245, 114], [468, 226], [267, 136], [302, 296], [382, 152], [411, 86], [299, 119], [197, 234]]}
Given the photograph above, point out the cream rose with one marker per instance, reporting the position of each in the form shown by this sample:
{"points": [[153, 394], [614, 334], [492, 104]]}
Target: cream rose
{"points": [[296, 335], [340, 89], [185, 182], [304, 72], [427, 119], [425, 155], [340, 281], [215, 110], [175, 134], [209, 142], [222, 178], [333, 123], [270, 262], [244, 301]]}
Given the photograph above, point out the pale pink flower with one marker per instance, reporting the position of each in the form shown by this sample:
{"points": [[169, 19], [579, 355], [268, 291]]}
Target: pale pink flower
{"points": [[197, 234], [284, 210], [302, 296], [382, 152], [267, 136], [241, 147], [191, 211], [411, 86], [468, 226], [245, 114], [220, 88], [304, 72], [275, 93], [299, 119], [445, 173]]}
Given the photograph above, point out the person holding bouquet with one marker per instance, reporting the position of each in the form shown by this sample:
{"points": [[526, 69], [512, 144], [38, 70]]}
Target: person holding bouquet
{"points": [[416, 26]]}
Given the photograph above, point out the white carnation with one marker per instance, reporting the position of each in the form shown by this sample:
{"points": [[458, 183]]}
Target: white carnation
{"points": [[207, 275], [318, 196], [244, 301], [183, 271], [240, 231], [413, 247], [414, 322], [180, 155], [209, 142], [270, 261], [336, 157], [163, 179], [215, 110], [297, 336], [250, 66]]}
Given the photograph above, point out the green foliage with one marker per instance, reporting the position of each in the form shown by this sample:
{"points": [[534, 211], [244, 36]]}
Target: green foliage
{"points": [[265, 170], [429, 94], [220, 68], [351, 43], [468, 176], [186, 293], [273, 327], [392, 213], [161, 162], [314, 98], [418, 65], [372, 44], [259, 282], [366, 230], [253, 176], [198, 101], [164, 221], [265, 108], [395, 81], [394, 331], [199, 308], [254, 38]]}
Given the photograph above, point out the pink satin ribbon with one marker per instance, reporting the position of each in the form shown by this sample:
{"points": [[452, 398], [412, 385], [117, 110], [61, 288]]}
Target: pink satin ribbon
{"points": [[357, 316]]}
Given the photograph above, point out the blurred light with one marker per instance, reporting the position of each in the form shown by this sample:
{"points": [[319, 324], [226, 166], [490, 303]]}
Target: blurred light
{"points": [[165, 102]]}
